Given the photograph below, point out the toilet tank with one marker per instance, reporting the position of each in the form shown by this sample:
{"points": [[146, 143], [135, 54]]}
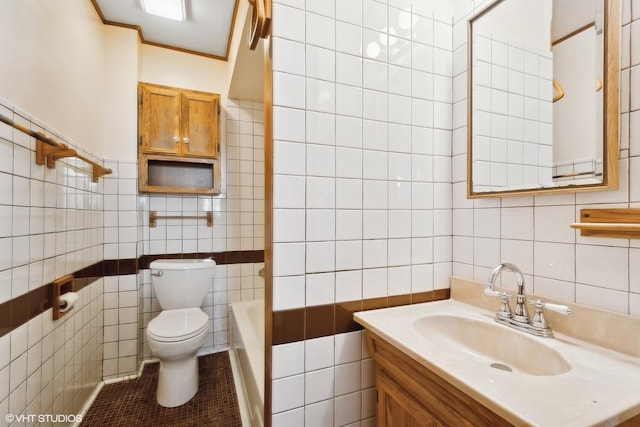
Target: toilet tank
{"points": [[181, 283]]}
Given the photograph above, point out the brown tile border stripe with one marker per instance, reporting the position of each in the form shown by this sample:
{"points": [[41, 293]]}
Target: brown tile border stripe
{"points": [[19, 310], [330, 319], [221, 258], [288, 326]]}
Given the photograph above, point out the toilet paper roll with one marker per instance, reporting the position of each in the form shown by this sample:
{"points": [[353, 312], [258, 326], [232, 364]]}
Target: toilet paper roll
{"points": [[67, 301]]}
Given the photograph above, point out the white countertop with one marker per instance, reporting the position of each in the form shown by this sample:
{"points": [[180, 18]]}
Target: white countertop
{"points": [[601, 388]]}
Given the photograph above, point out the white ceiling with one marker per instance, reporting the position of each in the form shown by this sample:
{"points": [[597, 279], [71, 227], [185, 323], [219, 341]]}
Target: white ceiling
{"points": [[206, 31]]}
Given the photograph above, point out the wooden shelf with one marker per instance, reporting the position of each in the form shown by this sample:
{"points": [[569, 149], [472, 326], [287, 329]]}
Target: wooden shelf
{"points": [[173, 174], [618, 223]]}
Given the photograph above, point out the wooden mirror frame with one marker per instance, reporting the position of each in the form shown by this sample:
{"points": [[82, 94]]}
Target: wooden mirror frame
{"points": [[610, 111]]}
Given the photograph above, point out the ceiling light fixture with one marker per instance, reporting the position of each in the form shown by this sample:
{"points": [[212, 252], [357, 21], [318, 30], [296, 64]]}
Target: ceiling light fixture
{"points": [[170, 9]]}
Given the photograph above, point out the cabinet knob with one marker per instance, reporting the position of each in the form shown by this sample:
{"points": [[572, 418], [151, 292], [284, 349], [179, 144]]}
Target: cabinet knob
{"points": [[186, 140], [176, 139]]}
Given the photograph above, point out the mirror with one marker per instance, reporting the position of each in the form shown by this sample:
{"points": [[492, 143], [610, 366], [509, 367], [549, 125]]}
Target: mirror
{"points": [[543, 97]]}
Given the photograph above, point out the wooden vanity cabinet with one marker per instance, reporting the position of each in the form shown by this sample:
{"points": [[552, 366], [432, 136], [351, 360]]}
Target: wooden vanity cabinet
{"points": [[411, 395], [179, 140]]}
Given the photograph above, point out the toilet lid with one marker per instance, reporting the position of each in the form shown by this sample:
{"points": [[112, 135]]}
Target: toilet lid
{"points": [[178, 325]]}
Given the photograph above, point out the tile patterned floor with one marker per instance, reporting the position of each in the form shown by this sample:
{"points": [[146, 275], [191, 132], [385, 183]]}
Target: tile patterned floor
{"points": [[133, 403]]}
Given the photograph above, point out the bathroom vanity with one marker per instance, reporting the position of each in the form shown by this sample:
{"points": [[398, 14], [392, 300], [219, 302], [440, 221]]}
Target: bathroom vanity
{"points": [[410, 394], [450, 363]]}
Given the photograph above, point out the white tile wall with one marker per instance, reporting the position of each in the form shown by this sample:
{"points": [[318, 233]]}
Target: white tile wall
{"points": [[593, 271], [123, 240], [362, 179], [53, 366], [370, 211], [509, 109], [332, 376], [52, 225], [121, 348]]}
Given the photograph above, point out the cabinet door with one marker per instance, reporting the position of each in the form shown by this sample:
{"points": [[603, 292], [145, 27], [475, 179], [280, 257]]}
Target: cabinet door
{"points": [[159, 125], [200, 124], [396, 408]]}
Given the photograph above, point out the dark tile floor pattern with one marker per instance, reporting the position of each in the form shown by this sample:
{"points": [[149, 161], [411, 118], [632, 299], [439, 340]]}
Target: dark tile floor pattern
{"points": [[133, 403]]}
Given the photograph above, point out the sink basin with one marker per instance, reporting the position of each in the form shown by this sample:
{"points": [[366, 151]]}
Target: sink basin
{"points": [[492, 344]]}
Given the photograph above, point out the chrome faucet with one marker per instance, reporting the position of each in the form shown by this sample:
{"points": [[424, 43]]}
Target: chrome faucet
{"points": [[520, 313], [519, 318]]}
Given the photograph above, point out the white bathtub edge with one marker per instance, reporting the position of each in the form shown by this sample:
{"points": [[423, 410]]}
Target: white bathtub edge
{"points": [[247, 343], [240, 391]]}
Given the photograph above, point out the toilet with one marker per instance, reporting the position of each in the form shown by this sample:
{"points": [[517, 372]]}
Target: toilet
{"points": [[176, 334]]}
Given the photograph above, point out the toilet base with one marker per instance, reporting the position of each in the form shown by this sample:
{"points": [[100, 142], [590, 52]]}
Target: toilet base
{"points": [[177, 381]]}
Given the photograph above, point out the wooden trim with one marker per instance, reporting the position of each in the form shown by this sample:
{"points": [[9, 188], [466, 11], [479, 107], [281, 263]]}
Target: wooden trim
{"points": [[231, 28], [268, 231], [266, 28], [610, 112], [165, 46], [257, 23], [611, 92]]}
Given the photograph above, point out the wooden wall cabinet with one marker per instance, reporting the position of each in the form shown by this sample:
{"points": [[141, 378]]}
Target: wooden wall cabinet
{"points": [[410, 395], [179, 140]]}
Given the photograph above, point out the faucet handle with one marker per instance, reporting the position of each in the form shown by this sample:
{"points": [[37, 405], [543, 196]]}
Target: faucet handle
{"points": [[488, 291], [504, 311], [558, 308], [538, 324]]}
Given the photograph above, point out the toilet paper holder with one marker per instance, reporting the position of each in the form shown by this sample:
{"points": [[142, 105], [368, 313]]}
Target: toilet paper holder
{"points": [[61, 286]]}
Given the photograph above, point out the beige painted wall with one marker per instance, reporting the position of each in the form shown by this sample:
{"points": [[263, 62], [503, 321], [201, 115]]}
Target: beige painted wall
{"points": [[179, 69], [52, 65], [121, 93]]}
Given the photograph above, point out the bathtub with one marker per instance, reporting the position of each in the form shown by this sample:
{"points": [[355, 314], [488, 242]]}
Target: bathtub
{"points": [[247, 343]]}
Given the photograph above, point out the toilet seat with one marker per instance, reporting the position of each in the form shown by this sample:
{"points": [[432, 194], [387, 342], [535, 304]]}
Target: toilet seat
{"points": [[178, 324]]}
